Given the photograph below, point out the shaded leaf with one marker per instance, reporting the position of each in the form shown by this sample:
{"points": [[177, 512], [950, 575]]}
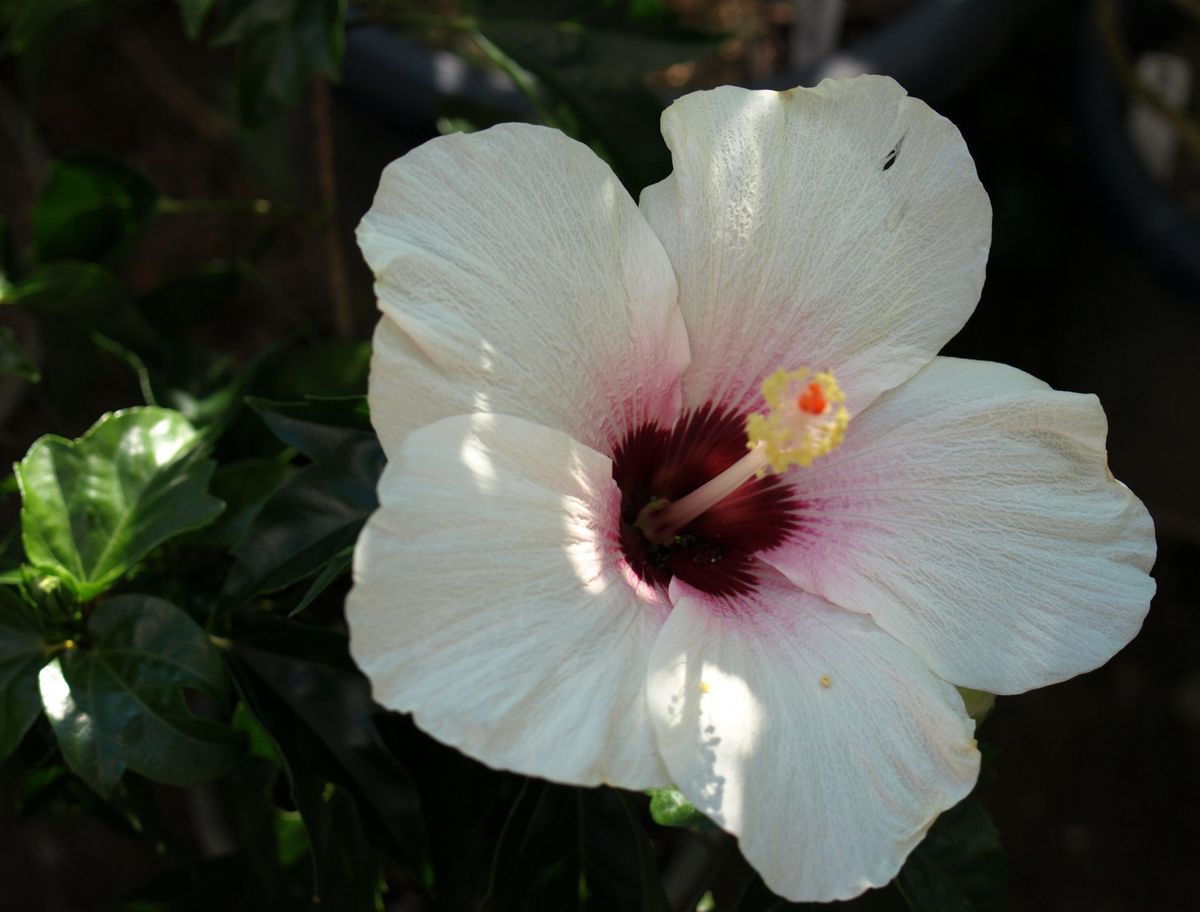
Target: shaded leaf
{"points": [[81, 292], [91, 208], [116, 701], [311, 519], [22, 654], [316, 428], [564, 847], [193, 13], [13, 360], [93, 507], [959, 866], [244, 487], [757, 898], [307, 693], [338, 566], [594, 57], [27, 24], [282, 45]]}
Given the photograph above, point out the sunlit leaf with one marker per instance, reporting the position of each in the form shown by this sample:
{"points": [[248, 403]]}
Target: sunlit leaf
{"points": [[93, 507], [90, 209], [668, 807], [116, 701], [22, 654]]}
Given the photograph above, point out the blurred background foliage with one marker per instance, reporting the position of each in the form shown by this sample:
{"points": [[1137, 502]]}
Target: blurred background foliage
{"points": [[182, 726]]}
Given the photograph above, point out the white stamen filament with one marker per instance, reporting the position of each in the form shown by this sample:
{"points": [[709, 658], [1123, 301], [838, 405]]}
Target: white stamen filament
{"points": [[659, 523]]}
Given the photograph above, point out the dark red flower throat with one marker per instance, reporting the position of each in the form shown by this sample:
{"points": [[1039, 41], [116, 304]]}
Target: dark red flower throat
{"points": [[713, 552]]}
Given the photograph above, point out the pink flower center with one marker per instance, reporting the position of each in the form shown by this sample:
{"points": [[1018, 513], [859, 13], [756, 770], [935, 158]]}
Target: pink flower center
{"points": [[713, 551]]}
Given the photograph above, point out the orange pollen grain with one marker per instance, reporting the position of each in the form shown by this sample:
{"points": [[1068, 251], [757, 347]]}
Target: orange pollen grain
{"points": [[812, 400]]}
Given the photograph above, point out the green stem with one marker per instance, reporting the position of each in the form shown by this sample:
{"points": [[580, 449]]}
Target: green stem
{"points": [[520, 77]]}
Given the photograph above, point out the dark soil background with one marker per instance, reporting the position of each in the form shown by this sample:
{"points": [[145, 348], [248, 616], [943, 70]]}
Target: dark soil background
{"points": [[1095, 783]]}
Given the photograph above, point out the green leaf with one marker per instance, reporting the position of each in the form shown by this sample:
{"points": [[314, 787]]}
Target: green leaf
{"points": [[978, 703], [283, 44], [244, 487], [13, 360], [91, 208], [668, 807], [28, 24], [337, 567], [117, 702], [93, 507], [959, 866], [22, 654], [311, 519], [194, 12], [318, 427], [304, 689], [81, 292]]}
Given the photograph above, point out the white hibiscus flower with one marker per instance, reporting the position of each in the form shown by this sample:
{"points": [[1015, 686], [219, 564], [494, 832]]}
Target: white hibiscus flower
{"points": [[555, 364]]}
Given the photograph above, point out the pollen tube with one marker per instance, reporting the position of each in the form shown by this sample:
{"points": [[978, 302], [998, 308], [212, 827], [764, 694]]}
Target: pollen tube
{"points": [[805, 419], [660, 521]]}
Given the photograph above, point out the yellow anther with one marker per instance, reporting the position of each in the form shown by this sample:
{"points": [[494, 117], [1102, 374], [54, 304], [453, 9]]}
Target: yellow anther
{"points": [[806, 417], [826, 681], [705, 687]]}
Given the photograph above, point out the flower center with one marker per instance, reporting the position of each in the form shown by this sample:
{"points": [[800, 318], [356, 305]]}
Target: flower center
{"points": [[699, 500]]}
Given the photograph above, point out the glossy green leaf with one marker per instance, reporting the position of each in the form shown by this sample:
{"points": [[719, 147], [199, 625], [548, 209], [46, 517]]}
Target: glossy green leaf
{"points": [[93, 507], [22, 654], [311, 519], [91, 208], [13, 360], [959, 866], [316, 428], [116, 700]]}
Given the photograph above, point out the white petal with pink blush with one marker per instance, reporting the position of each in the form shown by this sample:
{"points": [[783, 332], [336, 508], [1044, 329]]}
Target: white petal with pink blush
{"points": [[682, 493]]}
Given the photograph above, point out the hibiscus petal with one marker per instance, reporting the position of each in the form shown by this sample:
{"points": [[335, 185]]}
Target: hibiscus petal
{"points": [[972, 514], [488, 605], [517, 276], [822, 743], [838, 228]]}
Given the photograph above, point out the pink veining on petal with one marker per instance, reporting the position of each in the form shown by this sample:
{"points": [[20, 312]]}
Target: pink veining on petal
{"points": [[714, 552]]}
